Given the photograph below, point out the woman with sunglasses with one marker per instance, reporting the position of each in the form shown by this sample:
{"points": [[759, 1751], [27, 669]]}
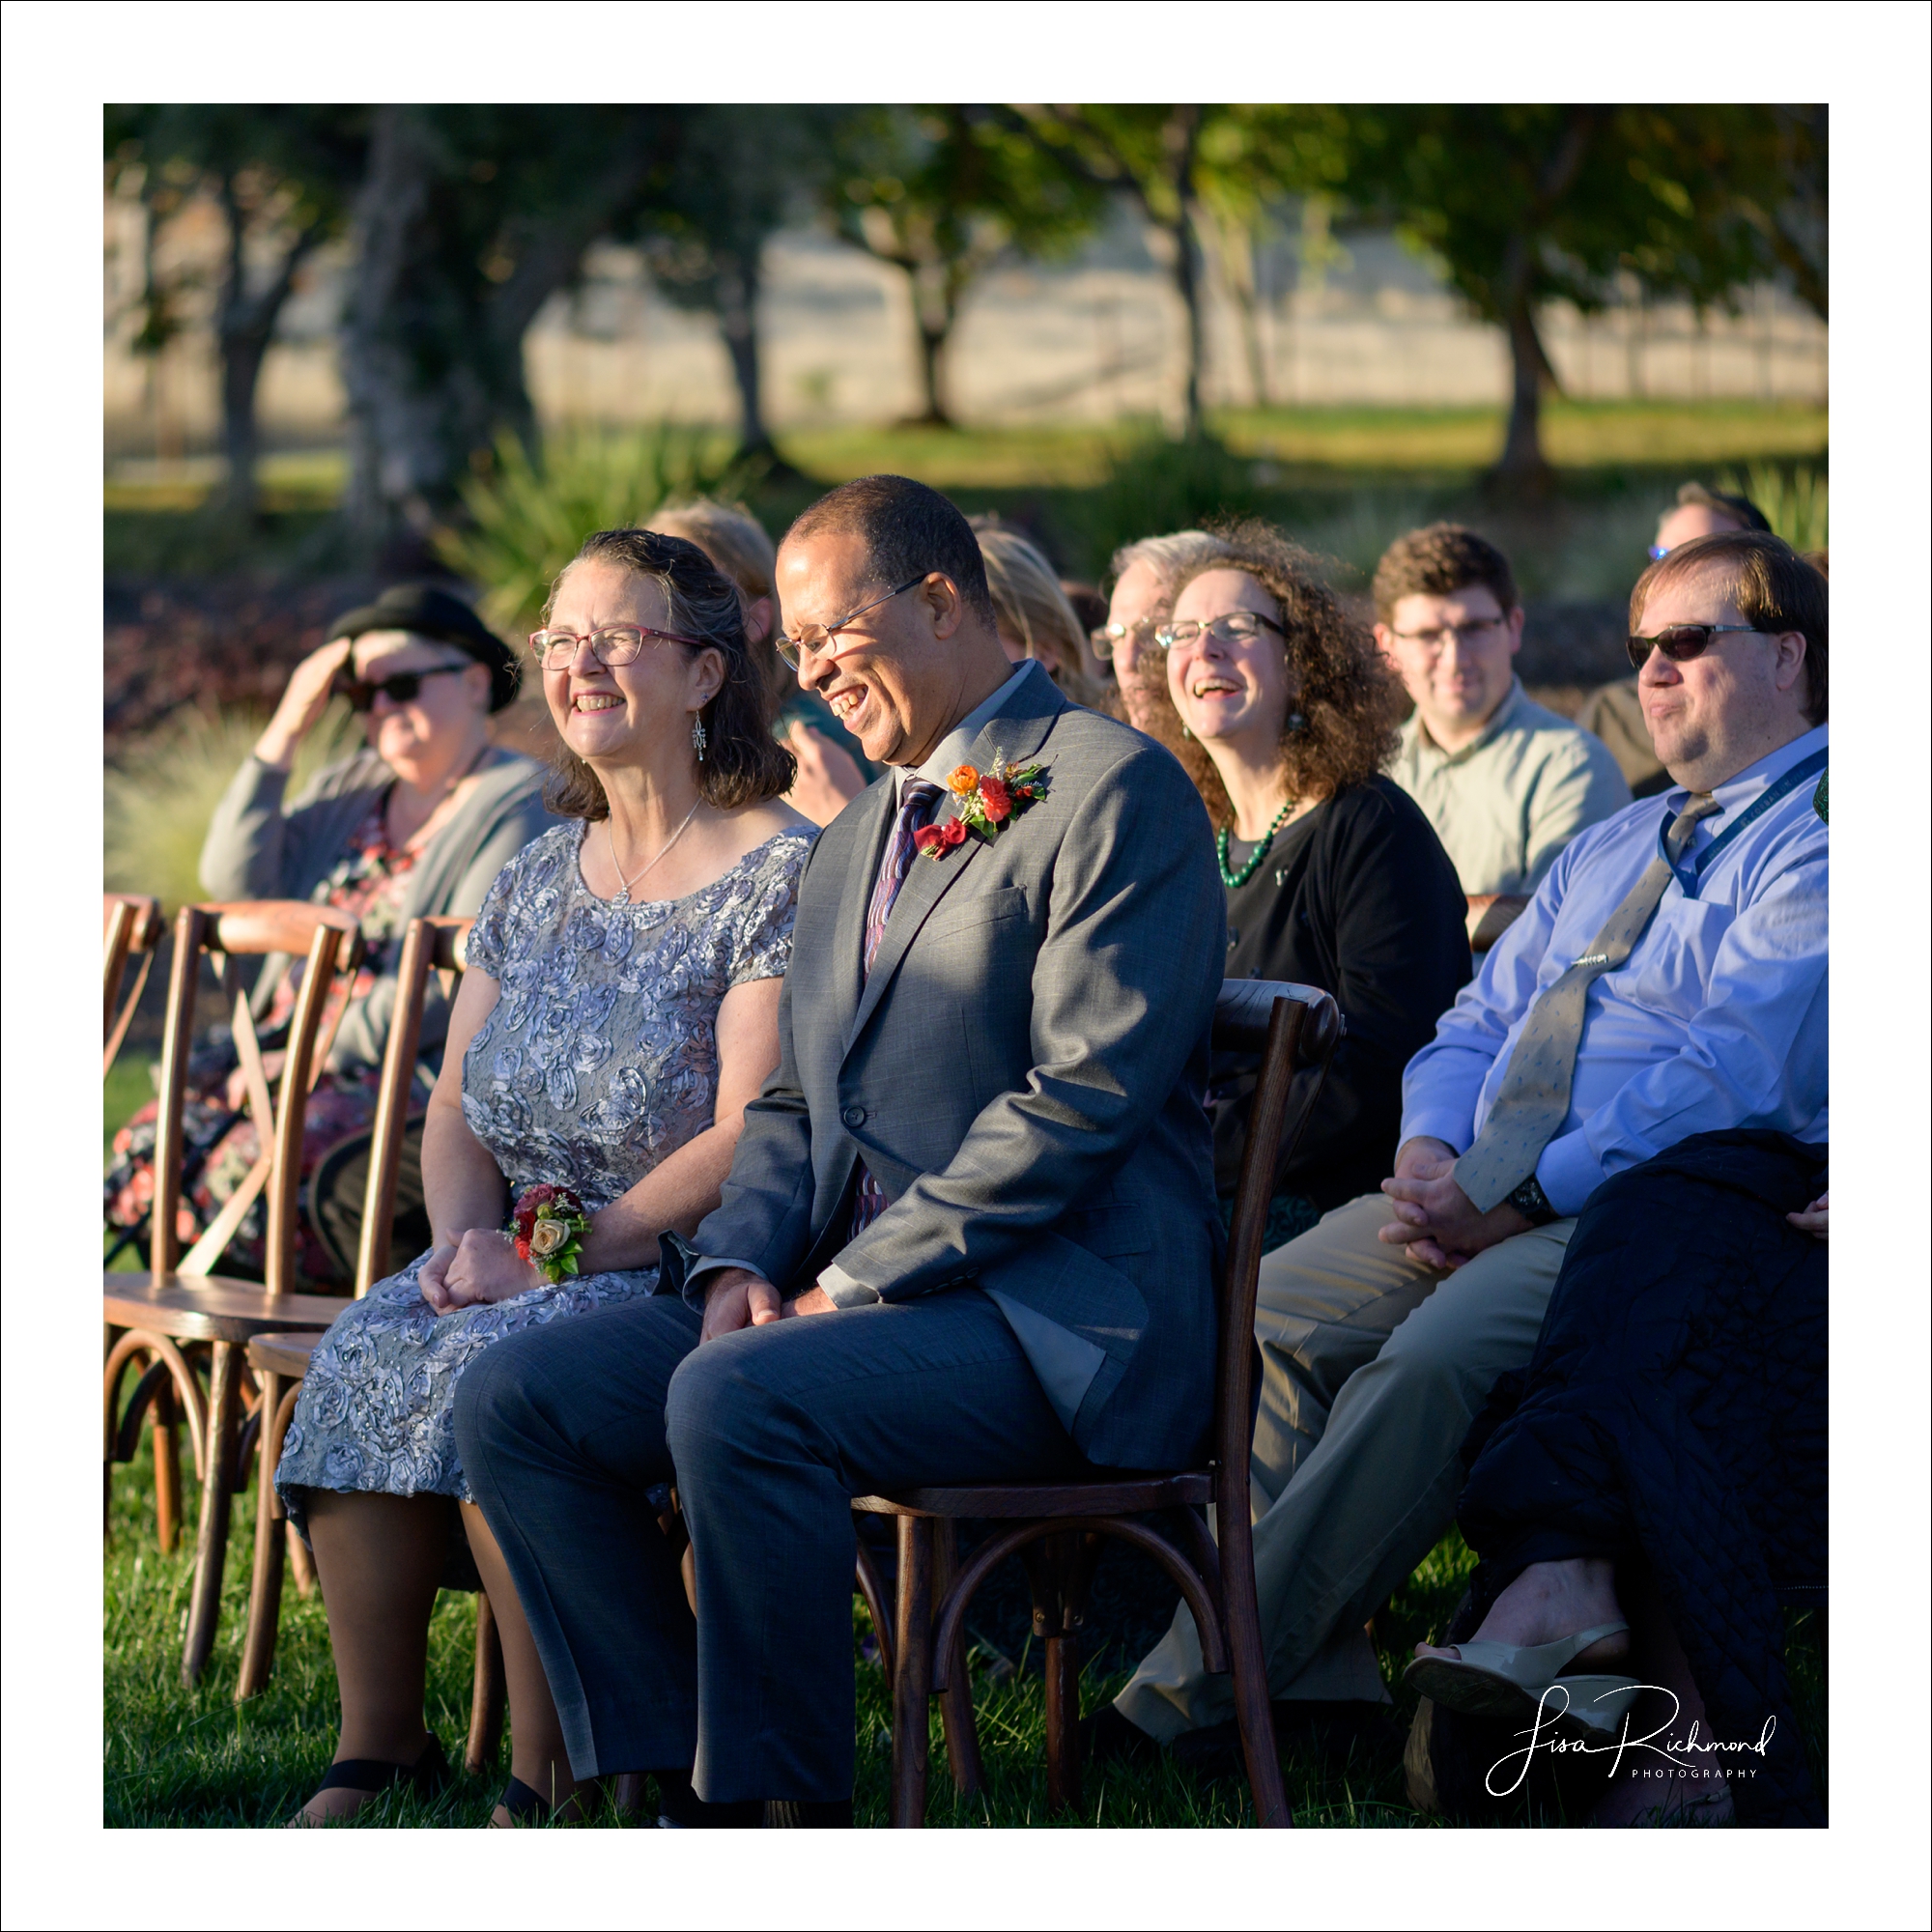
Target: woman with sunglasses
{"points": [[416, 823], [618, 1012], [1334, 877]]}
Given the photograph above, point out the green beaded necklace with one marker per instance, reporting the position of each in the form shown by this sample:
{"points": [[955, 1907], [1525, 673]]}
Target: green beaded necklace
{"points": [[1231, 880]]}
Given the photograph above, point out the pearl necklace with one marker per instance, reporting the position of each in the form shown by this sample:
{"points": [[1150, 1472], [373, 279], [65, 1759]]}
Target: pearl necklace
{"points": [[1231, 880]]}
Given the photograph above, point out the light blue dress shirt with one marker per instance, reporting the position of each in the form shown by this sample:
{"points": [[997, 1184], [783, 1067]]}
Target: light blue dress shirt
{"points": [[1718, 1018]]}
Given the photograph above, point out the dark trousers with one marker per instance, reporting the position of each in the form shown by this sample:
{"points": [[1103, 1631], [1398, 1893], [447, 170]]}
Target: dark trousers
{"points": [[335, 1192], [769, 1433]]}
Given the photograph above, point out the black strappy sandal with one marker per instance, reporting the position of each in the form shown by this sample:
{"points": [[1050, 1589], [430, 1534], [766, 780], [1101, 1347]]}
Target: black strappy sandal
{"points": [[426, 1777], [525, 1804]]}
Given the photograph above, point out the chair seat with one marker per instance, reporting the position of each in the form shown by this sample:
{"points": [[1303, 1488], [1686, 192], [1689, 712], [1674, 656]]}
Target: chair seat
{"points": [[284, 1354], [1122, 1495], [210, 1308]]}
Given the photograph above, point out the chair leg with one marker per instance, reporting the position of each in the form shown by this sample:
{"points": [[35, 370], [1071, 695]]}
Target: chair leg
{"points": [[1247, 1658], [486, 1691], [301, 1565], [1058, 1567], [912, 1678], [167, 1470], [264, 1586], [955, 1701], [212, 1539]]}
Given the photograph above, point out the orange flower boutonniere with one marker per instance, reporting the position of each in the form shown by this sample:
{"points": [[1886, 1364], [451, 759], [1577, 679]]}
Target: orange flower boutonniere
{"points": [[986, 800]]}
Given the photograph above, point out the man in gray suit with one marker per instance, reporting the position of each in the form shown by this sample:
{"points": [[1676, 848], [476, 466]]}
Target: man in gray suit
{"points": [[968, 1233]]}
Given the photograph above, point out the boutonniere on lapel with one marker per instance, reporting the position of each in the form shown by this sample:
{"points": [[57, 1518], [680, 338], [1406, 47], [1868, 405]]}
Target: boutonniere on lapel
{"points": [[983, 802]]}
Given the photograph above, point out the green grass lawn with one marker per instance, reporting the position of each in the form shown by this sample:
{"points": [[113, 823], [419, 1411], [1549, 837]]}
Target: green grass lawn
{"points": [[179, 1757]]}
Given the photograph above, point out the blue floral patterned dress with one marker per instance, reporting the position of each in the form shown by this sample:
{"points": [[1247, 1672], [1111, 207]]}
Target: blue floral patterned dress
{"points": [[599, 1060]]}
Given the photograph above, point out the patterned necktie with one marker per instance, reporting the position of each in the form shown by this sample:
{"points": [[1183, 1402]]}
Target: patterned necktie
{"points": [[1533, 1101], [916, 803]]}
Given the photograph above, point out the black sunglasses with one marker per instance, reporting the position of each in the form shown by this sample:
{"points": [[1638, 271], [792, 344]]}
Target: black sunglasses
{"points": [[1681, 642], [401, 688]]}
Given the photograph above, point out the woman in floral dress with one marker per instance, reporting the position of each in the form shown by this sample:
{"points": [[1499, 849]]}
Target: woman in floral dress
{"points": [[619, 1010]]}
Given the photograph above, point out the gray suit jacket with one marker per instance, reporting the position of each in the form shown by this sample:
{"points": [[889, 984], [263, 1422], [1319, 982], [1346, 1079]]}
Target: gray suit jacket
{"points": [[1021, 1073]]}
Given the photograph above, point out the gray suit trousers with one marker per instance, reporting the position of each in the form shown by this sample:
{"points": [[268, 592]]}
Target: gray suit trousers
{"points": [[771, 1433]]}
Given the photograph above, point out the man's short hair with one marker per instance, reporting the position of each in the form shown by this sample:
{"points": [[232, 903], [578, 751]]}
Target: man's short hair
{"points": [[1774, 589], [1437, 561], [908, 529], [1170, 557], [1747, 513]]}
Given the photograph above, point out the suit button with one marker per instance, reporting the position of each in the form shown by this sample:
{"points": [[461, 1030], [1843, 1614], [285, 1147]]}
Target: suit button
{"points": [[853, 1116]]}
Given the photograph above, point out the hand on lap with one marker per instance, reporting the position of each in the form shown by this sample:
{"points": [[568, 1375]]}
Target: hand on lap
{"points": [[1814, 1220], [481, 1267], [1435, 1220], [737, 1298]]}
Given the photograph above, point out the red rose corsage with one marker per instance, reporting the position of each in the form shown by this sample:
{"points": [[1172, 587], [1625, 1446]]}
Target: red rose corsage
{"points": [[547, 1225], [985, 801]]}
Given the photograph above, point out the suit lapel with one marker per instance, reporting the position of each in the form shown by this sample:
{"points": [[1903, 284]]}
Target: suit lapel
{"points": [[1015, 734], [880, 806]]}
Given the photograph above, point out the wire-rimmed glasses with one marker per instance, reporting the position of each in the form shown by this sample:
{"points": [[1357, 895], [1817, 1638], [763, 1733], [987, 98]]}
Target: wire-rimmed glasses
{"points": [[1107, 638], [818, 639], [615, 644], [1465, 634], [1232, 627]]}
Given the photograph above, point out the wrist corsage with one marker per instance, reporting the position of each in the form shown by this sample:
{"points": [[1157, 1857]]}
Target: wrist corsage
{"points": [[547, 1225], [985, 801]]}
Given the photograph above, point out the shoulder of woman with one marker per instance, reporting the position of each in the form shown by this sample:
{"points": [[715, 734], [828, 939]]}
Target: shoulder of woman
{"points": [[361, 771]]}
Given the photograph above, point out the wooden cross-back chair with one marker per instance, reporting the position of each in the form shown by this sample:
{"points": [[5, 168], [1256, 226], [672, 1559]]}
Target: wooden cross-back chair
{"points": [[179, 1306], [1056, 1527], [130, 928], [280, 1361]]}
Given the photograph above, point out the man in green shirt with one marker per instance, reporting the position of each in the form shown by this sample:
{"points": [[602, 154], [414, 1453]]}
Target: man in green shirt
{"points": [[1506, 783]]}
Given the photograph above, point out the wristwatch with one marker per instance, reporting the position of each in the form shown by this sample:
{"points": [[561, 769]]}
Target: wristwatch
{"points": [[1533, 1205]]}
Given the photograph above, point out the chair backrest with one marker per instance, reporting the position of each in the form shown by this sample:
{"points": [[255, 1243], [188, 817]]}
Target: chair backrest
{"points": [[331, 946], [1490, 915], [1294, 1030], [130, 927], [428, 944]]}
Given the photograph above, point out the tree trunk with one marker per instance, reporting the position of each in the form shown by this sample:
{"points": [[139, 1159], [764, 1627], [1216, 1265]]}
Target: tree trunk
{"points": [[738, 322], [931, 353], [1522, 469]]}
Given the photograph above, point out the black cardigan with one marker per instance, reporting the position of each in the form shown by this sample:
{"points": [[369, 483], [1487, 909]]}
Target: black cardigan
{"points": [[1359, 899]]}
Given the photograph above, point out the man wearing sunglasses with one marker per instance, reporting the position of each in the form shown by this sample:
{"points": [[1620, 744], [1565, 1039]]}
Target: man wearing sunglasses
{"points": [[1615, 712], [1668, 979]]}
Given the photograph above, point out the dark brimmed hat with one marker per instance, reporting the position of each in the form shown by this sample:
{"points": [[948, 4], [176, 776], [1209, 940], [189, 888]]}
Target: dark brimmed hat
{"points": [[426, 612]]}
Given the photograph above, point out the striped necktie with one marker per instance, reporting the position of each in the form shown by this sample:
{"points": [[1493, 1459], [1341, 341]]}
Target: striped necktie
{"points": [[916, 803], [1533, 1101]]}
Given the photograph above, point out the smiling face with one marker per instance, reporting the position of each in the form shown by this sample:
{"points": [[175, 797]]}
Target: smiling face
{"points": [[1455, 655], [421, 739], [1225, 691], [638, 714], [896, 678], [1738, 700]]}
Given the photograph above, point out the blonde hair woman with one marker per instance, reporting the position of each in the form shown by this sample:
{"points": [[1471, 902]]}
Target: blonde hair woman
{"points": [[1033, 615], [831, 771]]}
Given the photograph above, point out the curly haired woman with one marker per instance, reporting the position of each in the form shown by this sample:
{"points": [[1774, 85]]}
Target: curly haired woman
{"points": [[1334, 877]]}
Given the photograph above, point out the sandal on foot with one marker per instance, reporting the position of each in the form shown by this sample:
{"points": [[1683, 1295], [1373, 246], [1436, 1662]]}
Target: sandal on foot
{"points": [[525, 1805], [372, 1775], [1508, 1680]]}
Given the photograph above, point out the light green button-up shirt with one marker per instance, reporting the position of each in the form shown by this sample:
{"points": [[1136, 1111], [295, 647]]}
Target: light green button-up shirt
{"points": [[1505, 805]]}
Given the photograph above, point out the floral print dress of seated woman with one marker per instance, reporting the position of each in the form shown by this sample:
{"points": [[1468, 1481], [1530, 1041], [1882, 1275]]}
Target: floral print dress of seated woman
{"points": [[370, 882], [599, 1060]]}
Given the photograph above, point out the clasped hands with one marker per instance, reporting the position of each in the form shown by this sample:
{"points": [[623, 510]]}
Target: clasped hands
{"points": [[1435, 1220], [737, 1298], [481, 1264]]}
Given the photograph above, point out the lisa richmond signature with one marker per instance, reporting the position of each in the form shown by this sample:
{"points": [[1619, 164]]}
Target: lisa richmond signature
{"points": [[1691, 1752]]}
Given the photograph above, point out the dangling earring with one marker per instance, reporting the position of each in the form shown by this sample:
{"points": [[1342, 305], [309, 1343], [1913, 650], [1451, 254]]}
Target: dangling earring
{"points": [[1297, 723], [1185, 733], [697, 738]]}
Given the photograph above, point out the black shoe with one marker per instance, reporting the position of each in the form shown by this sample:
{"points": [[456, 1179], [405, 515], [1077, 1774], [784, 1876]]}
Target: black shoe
{"points": [[1108, 1738], [426, 1777], [681, 1809], [792, 1813]]}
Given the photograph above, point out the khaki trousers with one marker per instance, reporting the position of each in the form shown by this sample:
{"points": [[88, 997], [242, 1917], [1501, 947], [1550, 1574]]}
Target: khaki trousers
{"points": [[1372, 1368]]}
